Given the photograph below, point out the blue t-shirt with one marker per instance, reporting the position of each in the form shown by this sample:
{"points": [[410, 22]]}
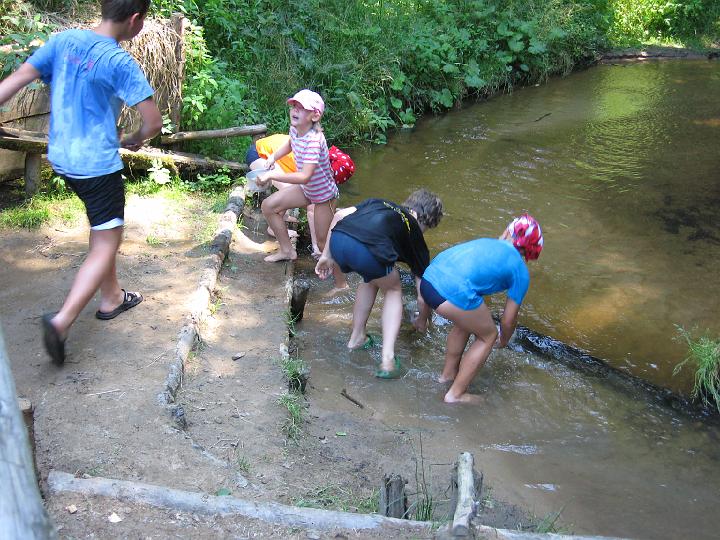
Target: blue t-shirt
{"points": [[463, 274], [90, 76]]}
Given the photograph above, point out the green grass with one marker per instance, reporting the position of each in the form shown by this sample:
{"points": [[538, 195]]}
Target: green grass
{"points": [[295, 369], [243, 464], [335, 497], [295, 405], [48, 206], [704, 354], [290, 321]]}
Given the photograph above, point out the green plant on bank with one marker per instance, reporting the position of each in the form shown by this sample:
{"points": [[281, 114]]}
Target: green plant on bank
{"points": [[693, 22], [216, 301], [335, 497], [295, 369], [295, 405], [704, 354], [290, 321], [548, 524], [220, 180], [243, 464], [154, 241]]}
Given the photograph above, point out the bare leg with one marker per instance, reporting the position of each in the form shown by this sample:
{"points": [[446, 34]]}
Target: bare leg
{"points": [[96, 272], [273, 209], [391, 316], [480, 323], [364, 300], [340, 282], [456, 342], [311, 223]]}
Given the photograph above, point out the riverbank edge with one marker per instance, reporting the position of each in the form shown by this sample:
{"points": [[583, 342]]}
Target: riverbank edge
{"points": [[657, 52]]}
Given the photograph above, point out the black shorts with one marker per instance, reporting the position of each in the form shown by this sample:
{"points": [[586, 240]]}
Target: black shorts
{"points": [[251, 154], [430, 295], [351, 255], [103, 197]]}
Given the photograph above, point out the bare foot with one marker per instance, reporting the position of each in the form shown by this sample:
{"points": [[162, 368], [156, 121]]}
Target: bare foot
{"points": [[442, 379], [354, 344], [282, 256], [472, 399], [336, 290]]}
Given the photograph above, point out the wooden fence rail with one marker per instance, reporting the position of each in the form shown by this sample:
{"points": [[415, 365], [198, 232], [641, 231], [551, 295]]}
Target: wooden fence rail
{"points": [[22, 514]]}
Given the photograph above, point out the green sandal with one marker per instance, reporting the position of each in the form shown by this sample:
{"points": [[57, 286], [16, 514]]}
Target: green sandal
{"points": [[395, 373], [370, 342]]}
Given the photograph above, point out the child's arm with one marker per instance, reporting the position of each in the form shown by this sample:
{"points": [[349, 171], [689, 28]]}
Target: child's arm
{"points": [[151, 125], [325, 264], [283, 150], [508, 321], [12, 84], [302, 176]]}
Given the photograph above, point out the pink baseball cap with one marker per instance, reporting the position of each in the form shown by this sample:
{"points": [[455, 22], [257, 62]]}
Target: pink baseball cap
{"points": [[309, 100]]}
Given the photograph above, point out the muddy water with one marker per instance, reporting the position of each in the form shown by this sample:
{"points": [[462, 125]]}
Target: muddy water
{"points": [[620, 165]]}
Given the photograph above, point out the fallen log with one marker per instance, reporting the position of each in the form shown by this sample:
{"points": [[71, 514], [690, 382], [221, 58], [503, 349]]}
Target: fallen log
{"points": [[201, 503], [22, 513], [466, 505], [240, 131], [34, 144]]}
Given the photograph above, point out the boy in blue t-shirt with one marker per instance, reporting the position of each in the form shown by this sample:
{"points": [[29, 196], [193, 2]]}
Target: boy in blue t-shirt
{"points": [[454, 285], [90, 76]]}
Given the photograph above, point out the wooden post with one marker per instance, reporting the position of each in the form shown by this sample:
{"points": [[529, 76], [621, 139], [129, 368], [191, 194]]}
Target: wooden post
{"points": [[298, 299], [22, 513], [28, 414], [466, 507], [178, 23], [32, 173], [393, 501]]}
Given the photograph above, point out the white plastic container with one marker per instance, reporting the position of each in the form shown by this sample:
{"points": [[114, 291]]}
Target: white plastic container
{"points": [[251, 184]]}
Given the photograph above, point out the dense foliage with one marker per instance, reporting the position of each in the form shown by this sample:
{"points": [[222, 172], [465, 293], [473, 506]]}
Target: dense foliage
{"points": [[379, 63]]}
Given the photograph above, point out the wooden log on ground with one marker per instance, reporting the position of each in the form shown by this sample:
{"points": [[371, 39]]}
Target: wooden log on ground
{"points": [[466, 506], [22, 513], [240, 131], [32, 173], [393, 500], [201, 503], [28, 413], [298, 299]]}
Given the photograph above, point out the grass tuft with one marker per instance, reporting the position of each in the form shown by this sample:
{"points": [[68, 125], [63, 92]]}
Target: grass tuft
{"points": [[704, 353], [294, 403]]}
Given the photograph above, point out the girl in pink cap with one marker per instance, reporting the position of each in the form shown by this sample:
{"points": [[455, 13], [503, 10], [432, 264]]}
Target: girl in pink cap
{"points": [[454, 285], [314, 181]]}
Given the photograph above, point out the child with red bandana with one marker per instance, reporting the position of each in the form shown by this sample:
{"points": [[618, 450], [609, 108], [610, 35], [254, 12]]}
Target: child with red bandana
{"points": [[454, 285]]}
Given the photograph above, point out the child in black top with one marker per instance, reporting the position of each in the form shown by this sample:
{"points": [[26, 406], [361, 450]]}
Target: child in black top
{"points": [[369, 239]]}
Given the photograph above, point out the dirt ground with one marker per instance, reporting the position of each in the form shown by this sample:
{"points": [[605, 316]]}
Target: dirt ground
{"points": [[98, 415]]}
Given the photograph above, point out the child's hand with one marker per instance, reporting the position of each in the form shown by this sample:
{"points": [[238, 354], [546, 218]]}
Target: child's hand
{"points": [[263, 180], [420, 323], [130, 143], [270, 162], [324, 267]]}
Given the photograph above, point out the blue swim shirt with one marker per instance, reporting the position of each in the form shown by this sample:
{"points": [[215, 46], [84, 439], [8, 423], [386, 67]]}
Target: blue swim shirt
{"points": [[464, 273], [90, 76]]}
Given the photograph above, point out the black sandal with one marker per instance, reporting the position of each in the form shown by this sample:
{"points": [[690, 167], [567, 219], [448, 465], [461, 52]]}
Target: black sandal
{"points": [[130, 300], [54, 345]]}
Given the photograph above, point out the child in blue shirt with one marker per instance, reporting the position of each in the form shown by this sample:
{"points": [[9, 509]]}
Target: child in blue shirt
{"points": [[90, 76], [454, 285]]}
